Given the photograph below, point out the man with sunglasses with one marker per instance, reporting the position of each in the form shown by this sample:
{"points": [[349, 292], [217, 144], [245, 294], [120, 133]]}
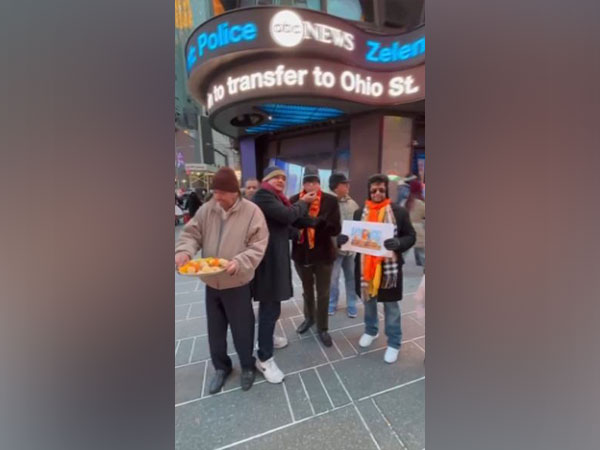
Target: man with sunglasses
{"points": [[381, 278]]}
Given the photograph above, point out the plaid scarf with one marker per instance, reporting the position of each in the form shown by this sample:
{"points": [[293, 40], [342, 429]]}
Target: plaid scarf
{"points": [[313, 211], [378, 272]]}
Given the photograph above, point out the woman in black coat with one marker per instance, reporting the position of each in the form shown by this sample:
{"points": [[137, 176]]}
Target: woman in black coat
{"points": [[273, 280], [194, 203]]}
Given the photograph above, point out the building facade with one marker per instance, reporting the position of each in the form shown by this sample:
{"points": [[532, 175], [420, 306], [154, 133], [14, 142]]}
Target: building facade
{"points": [[336, 84]]}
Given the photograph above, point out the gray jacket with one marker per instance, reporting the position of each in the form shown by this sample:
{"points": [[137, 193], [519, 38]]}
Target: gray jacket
{"points": [[347, 208]]}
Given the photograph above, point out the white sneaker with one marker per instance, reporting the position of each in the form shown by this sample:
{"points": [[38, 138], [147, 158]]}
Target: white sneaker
{"points": [[279, 341], [391, 355], [270, 371], [366, 340]]}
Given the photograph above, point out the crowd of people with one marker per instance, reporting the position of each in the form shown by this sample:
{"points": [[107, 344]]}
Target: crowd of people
{"points": [[253, 231]]}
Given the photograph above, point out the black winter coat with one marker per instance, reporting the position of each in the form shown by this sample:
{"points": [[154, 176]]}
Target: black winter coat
{"points": [[273, 279], [406, 234], [193, 204], [328, 225]]}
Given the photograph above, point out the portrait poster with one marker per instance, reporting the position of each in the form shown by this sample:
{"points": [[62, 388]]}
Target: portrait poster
{"points": [[367, 237]]}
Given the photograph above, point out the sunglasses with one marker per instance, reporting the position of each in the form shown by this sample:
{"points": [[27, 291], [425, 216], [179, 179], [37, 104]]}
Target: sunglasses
{"points": [[376, 190]]}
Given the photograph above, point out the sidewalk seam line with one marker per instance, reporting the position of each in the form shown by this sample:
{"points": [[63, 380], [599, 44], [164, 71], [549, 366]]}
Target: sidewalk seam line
{"points": [[348, 341], [366, 426], [385, 419], [282, 427], [324, 388], [312, 408], [204, 379], [192, 351], [288, 402], [408, 383], [318, 365]]}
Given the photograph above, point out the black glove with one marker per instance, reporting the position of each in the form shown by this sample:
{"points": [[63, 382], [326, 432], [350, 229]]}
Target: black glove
{"points": [[392, 244], [316, 222], [342, 239]]}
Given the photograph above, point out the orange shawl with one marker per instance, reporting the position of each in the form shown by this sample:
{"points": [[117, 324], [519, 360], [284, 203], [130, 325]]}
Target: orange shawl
{"points": [[372, 262], [313, 211]]}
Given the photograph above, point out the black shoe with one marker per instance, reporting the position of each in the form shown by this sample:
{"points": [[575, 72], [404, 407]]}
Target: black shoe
{"points": [[216, 384], [304, 326], [248, 378], [325, 338]]}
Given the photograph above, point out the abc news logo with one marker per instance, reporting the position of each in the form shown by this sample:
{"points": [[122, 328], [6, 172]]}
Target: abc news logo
{"points": [[288, 30]]}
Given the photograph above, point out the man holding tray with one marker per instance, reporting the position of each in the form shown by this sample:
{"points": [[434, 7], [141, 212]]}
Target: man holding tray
{"points": [[381, 277], [232, 228]]}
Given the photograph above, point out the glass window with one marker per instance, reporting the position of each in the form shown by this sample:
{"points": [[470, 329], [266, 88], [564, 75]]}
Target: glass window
{"points": [[342, 159], [309, 4], [357, 10], [404, 15], [294, 154], [226, 5]]}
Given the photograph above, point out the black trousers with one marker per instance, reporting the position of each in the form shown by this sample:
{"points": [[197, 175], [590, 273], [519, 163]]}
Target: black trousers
{"points": [[268, 313], [321, 273], [230, 307]]}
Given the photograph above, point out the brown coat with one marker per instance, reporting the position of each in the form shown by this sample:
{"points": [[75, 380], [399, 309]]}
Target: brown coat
{"points": [[239, 234]]}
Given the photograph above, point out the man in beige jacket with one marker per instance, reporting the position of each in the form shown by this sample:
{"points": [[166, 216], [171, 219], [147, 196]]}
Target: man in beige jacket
{"points": [[233, 228]]}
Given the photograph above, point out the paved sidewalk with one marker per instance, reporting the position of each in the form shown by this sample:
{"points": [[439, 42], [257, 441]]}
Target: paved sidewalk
{"points": [[342, 397]]}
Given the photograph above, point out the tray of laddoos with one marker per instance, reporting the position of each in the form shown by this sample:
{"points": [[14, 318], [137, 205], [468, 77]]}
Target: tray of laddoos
{"points": [[203, 266]]}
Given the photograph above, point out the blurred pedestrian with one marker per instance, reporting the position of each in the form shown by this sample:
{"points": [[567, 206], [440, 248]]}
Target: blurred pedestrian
{"points": [[194, 201], [404, 189], [273, 280], [381, 278], [250, 188], [415, 204], [229, 227], [340, 185], [314, 253]]}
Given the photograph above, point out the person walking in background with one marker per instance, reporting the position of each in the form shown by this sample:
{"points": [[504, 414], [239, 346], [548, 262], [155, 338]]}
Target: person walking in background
{"points": [[381, 278], [404, 189], [229, 227], [340, 185], [194, 202], [415, 204], [314, 253], [273, 280], [250, 188]]}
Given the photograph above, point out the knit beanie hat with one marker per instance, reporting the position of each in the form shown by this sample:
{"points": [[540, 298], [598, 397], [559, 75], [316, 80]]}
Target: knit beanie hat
{"points": [[272, 172], [311, 173], [226, 180]]}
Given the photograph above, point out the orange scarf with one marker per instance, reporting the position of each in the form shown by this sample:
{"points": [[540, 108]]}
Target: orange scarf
{"points": [[313, 211], [372, 262]]}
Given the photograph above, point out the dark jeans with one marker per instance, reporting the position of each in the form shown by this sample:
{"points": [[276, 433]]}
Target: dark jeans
{"points": [[230, 307], [321, 272], [393, 321], [268, 313]]}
